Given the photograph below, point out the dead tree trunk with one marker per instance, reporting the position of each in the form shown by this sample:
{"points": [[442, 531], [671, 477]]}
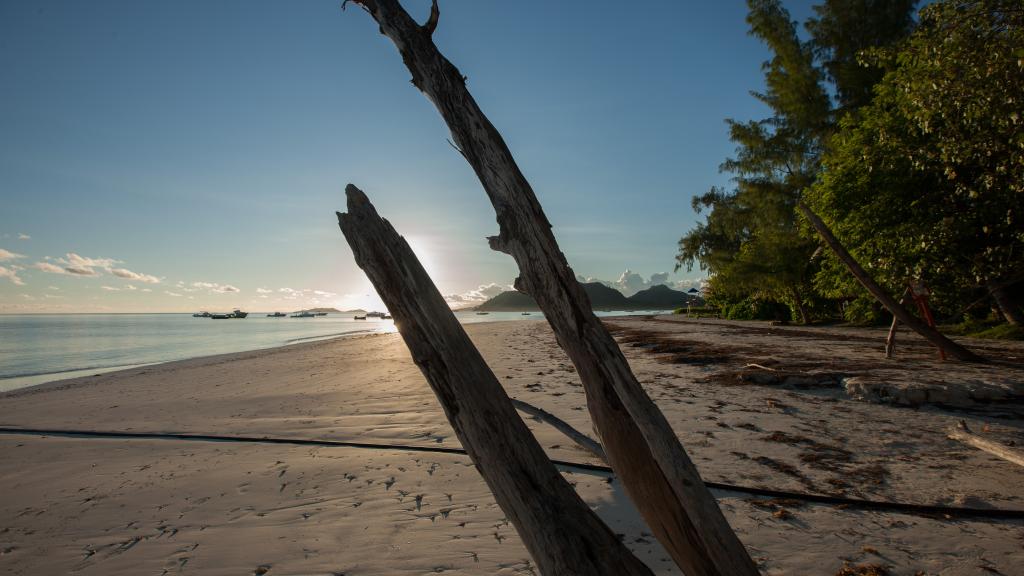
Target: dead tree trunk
{"points": [[562, 533], [890, 340], [641, 446], [896, 309]]}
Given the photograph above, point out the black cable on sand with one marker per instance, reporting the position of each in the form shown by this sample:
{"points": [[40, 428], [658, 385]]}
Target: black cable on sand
{"points": [[931, 510]]}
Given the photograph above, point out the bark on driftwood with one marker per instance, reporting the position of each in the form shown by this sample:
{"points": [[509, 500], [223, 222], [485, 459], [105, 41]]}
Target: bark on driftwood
{"points": [[561, 532], [896, 309], [962, 433], [641, 446]]}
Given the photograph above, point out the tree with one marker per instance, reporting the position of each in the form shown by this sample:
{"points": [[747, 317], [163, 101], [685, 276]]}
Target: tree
{"points": [[938, 157], [751, 241], [843, 29]]}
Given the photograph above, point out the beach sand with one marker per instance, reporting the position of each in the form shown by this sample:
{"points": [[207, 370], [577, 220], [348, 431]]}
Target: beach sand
{"points": [[845, 422]]}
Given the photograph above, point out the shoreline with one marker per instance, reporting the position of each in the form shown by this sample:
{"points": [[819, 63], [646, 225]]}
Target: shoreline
{"points": [[22, 381], [133, 504], [83, 373]]}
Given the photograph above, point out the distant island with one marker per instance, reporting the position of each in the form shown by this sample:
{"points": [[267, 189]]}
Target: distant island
{"points": [[333, 311], [602, 297]]}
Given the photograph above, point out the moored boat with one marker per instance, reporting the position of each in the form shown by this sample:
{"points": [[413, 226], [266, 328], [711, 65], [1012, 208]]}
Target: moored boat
{"points": [[221, 316], [359, 317], [277, 315], [239, 314], [304, 314], [201, 315]]}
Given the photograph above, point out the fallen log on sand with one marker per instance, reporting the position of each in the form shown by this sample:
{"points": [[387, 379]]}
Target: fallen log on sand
{"points": [[962, 433]]}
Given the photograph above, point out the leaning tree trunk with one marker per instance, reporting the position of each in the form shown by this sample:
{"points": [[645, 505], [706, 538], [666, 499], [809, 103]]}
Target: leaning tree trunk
{"points": [[1010, 309], [895, 308], [562, 533], [641, 446]]}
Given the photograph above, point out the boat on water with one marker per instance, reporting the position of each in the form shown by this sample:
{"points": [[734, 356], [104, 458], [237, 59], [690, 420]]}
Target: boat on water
{"points": [[482, 313], [359, 317], [277, 315], [201, 315], [374, 314], [321, 313], [236, 314], [526, 314], [304, 314], [386, 317]]}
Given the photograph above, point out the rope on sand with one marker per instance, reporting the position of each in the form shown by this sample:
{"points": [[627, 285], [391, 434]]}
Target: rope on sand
{"points": [[930, 510]]}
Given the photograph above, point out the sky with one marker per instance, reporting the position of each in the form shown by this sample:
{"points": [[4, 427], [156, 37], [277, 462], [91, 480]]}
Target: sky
{"points": [[183, 156]]}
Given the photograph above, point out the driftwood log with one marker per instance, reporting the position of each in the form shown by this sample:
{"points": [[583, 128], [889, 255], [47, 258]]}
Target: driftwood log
{"points": [[641, 446], [962, 433], [561, 532], [581, 440]]}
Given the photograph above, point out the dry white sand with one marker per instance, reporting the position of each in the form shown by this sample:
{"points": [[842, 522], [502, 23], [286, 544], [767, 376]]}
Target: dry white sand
{"points": [[118, 506]]}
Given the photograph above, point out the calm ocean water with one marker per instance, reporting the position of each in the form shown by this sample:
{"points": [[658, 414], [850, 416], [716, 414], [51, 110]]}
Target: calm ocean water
{"points": [[37, 348]]}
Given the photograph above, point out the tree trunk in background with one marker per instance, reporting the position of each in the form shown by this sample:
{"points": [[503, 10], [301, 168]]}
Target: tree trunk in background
{"points": [[641, 446], [805, 318], [895, 308], [1009, 308], [562, 533]]}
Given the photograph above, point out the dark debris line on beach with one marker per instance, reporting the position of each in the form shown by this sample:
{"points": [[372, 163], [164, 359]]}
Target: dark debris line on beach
{"points": [[928, 510]]}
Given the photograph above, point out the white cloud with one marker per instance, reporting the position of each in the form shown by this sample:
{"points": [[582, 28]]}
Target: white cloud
{"points": [[630, 282], [215, 288], [110, 289], [169, 293], [480, 294], [52, 288], [136, 276], [84, 265], [12, 275], [263, 291], [22, 236], [147, 289], [130, 287], [6, 255], [47, 267], [76, 265]]}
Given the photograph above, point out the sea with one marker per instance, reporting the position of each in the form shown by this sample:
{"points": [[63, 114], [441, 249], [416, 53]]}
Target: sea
{"points": [[39, 348]]}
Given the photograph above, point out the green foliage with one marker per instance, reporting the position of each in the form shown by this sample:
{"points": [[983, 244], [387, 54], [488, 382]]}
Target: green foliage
{"points": [[753, 308], [842, 29], [937, 160], [865, 311], [750, 242], [986, 328]]}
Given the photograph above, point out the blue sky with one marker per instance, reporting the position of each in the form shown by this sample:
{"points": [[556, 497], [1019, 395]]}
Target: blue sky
{"points": [[187, 155]]}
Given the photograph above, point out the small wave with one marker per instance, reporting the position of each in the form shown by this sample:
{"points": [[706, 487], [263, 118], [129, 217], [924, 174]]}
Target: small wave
{"points": [[64, 371], [325, 336]]}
